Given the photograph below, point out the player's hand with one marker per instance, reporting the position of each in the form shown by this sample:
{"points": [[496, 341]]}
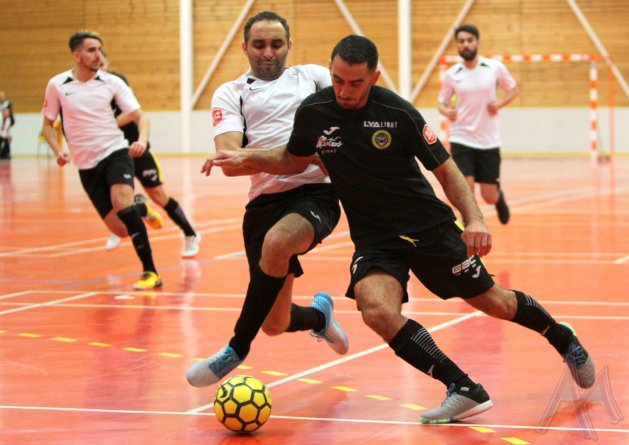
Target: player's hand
{"points": [[222, 159], [319, 163], [493, 108], [452, 113], [477, 238], [137, 149], [63, 158]]}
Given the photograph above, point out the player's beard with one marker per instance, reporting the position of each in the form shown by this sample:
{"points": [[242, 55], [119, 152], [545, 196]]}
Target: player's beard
{"points": [[271, 72], [470, 55]]}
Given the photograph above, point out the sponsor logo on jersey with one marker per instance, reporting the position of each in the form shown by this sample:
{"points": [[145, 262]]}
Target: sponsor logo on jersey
{"points": [[381, 139], [372, 124], [467, 266], [329, 144], [429, 135], [217, 115]]}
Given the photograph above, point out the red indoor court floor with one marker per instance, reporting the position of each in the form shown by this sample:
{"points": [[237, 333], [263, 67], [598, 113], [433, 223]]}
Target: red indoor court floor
{"points": [[85, 359]]}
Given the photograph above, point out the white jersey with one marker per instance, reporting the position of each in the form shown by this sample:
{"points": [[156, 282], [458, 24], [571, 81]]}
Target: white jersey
{"points": [[474, 89], [264, 112], [89, 125]]}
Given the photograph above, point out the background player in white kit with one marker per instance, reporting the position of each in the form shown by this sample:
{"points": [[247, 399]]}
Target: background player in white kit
{"points": [[97, 147], [474, 128], [287, 215]]}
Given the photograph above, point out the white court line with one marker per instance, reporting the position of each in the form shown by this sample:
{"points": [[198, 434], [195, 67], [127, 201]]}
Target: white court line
{"points": [[16, 294], [622, 260], [33, 306], [95, 240], [354, 312], [348, 358], [153, 239], [320, 419], [339, 298]]}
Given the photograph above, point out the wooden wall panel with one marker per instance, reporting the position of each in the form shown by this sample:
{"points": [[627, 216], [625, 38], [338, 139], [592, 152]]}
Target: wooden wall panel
{"points": [[142, 39]]}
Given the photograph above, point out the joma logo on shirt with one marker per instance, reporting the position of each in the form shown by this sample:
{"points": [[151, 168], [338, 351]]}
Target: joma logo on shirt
{"points": [[329, 142], [371, 124]]}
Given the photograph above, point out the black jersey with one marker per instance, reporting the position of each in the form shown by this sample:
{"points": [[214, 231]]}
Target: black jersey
{"points": [[131, 130], [370, 156]]}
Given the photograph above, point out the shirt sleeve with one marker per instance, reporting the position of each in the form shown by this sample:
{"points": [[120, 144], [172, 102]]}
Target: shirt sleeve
{"points": [[505, 80], [447, 89], [321, 77], [51, 102], [301, 144], [226, 113], [123, 96], [424, 142]]}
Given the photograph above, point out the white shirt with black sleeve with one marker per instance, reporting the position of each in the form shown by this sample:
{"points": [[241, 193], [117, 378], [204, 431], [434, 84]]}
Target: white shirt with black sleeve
{"points": [[89, 125], [264, 112], [474, 90]]}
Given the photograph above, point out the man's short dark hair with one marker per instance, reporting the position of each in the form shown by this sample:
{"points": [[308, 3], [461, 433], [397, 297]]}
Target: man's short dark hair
{"points": [[266, 15], [357, 50], [467, 28], [79, 37]]}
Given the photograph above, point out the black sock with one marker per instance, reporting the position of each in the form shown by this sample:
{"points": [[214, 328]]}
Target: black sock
{"points": [[137, 231], [415, 346], [305, 319], [175, 212], [532, 315], [261, 295]]}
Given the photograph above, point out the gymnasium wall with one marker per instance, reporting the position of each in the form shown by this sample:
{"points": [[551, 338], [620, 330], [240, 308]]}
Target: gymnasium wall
{"points": [[142, 40]]}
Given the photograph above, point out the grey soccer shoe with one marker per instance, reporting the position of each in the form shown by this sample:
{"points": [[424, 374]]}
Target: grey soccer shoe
{"points": [[458, 405], [332, 332], [579, 361], [213, 369]]}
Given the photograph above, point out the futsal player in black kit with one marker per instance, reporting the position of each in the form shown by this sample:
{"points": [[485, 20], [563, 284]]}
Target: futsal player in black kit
{"points": [[368, 139]]}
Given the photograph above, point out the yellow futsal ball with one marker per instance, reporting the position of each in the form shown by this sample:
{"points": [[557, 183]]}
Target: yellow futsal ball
{"points": [[242, 403]]}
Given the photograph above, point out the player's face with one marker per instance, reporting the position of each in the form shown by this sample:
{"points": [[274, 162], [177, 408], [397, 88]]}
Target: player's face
{"points": [[267, 49], [467, 45], [352, 83], [88, 55]]}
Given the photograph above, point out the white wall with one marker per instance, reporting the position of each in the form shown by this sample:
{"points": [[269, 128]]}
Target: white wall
{"points": [[543, 131]]}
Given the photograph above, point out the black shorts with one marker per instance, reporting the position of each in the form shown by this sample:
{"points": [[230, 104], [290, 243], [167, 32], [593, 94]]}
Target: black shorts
{"points": [[147, 170], [482, 164], [117, 168], [317, 203], [437, 257]]}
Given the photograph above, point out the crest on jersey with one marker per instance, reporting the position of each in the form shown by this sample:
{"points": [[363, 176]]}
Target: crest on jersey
{"points": [[217, 115], [429, 135], [381, 139]]}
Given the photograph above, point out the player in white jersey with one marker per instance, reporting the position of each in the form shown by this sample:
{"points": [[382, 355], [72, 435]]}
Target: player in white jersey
{"points": [[287, 215], [474, 128], [83, 96]]}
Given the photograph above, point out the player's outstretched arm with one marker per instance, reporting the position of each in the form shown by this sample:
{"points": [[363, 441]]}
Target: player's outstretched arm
{"points": [[226, 142], [277, 161], [476, 235]]}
